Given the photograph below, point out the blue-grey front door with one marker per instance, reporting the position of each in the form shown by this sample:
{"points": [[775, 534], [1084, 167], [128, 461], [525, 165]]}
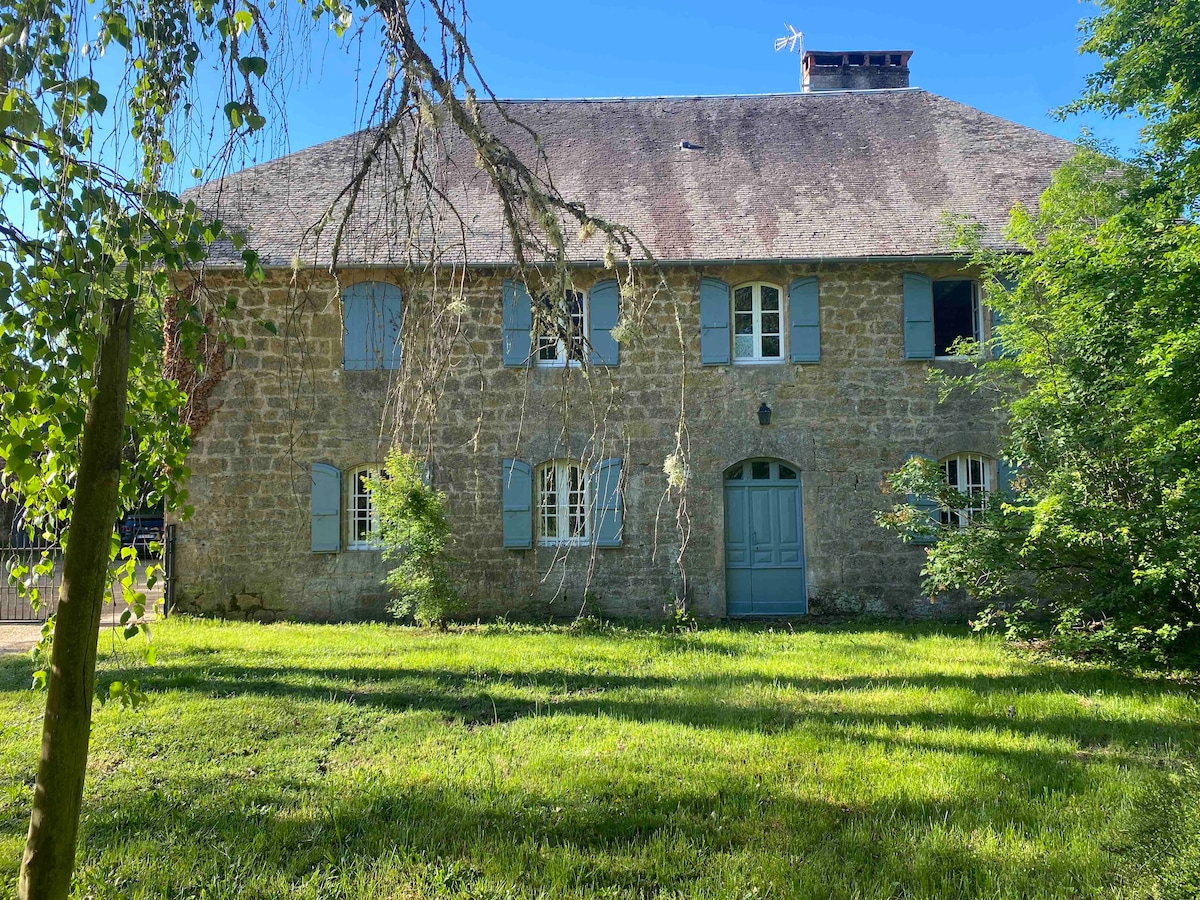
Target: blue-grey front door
{"points": [[764, 540]]}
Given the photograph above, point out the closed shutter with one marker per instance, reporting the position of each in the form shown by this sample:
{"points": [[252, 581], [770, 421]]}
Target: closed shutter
{"points": [[517, 323], [804, 310], [926, 506], [358, 336], [389, 311], [516, 493], [326, 509], [607, 511], [604, 302], [918, 317], [714, 322]]}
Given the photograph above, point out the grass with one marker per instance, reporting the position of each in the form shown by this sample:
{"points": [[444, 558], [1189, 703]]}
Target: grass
{"points": [[377, 761]]}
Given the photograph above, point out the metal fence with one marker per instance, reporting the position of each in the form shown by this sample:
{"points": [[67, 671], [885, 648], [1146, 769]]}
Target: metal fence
{"points": [[15, 599]]}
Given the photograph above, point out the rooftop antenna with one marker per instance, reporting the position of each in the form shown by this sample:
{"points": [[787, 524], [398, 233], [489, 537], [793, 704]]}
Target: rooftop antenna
{"points": [[794, 44]]}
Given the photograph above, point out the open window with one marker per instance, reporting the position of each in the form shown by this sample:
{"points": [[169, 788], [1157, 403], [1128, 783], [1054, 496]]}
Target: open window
{"points": [[955, 314]]}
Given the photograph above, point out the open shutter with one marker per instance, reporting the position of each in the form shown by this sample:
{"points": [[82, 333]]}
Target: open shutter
{"points": [[604, 302], [925, 505], [358, 337], [517, 497], [326, 509], [1005, 284], [389, 313], [918, 317], [607, 512], [1005, 474], [714, 322], [804, 309], [517, 323]]}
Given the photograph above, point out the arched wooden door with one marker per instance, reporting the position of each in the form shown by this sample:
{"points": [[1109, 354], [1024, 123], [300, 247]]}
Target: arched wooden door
{"points": [[764, 540]]}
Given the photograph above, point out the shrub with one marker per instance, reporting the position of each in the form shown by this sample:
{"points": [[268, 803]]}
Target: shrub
{"points": [[414, 531]]}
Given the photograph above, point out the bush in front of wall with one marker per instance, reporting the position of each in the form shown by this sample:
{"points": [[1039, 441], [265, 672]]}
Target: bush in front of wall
{"points": [[414, 531]]}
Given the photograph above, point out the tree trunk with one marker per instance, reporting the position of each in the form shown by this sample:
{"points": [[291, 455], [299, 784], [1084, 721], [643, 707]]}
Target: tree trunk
{"points": [[49, 859]]}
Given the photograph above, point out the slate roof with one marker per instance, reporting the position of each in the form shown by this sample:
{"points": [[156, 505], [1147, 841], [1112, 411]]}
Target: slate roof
{"points": [[839, 175]]}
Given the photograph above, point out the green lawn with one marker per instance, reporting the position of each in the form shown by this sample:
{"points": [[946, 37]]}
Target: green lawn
{"points": [[377, 761]]}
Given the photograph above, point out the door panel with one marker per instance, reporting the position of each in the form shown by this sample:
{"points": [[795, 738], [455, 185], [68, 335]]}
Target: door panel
{"points": [[762, 525], [737, 545]]}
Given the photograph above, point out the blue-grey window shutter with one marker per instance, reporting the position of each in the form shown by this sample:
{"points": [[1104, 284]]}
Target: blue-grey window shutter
{"points": [[918, 317], [607, 511], [804, 309], [604, 303], [998, 350], [389, 313], [517, 498], [1005, 474], [358, 332], [714, 322], [517, 322], [326, 508], [925, 505]]}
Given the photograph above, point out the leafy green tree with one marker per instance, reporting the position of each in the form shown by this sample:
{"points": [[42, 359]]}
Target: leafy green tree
{"points": [[1098, 366], [414, 530]]}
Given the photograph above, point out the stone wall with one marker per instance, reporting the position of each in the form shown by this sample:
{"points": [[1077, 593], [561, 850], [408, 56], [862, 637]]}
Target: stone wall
{"points": [[286, 403]]}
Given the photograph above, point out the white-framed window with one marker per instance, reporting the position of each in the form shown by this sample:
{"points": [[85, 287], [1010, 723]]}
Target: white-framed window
{"points": [[956, 314], [757, 323], [363, 524], [561, 331], [971, 474], [561, 502]]}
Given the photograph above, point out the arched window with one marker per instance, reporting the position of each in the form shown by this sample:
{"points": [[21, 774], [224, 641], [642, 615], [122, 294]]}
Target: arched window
{"points": [[561, 488], [970, 474], [758, 323], [363, 521]]}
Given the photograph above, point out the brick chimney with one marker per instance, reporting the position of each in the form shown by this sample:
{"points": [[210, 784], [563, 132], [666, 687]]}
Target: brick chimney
{"points": [[855, 70]]}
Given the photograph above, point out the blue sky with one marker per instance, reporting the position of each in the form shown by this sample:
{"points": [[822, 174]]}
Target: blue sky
{"points": [[1017, 59]]}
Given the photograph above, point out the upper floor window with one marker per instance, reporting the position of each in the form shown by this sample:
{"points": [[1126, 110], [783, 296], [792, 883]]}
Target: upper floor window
{"points": [[955, 314], [363, 520], [562, 503], [970, 474], [561, 330], [757, 323], [371, 318]]}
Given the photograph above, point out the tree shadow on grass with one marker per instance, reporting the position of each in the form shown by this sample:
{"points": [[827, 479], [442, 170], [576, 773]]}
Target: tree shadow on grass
{"points": [[734, 702], [574, 835]]}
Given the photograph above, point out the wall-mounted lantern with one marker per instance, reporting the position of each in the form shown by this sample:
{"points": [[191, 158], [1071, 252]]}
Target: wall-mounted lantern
{"points": [[764, 414]]}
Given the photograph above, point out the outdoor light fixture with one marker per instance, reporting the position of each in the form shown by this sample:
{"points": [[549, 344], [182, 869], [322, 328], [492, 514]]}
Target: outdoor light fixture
{"points": [[764, 414]]}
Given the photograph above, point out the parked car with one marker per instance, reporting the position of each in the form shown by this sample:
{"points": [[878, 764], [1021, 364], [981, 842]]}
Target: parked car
{"points": [[139, 530]]}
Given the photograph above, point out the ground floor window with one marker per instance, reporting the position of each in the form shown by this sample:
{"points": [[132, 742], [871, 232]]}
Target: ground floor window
{"points": [[562, 503], [364, 523], [969, 474]]}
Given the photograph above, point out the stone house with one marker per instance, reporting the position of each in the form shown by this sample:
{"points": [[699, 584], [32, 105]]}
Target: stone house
{"points": [[781, 370]]}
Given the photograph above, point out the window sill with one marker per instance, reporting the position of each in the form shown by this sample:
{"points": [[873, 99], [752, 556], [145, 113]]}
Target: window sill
{"points": [[357, 548], [555, 364], [759, 362], [566, 542]]}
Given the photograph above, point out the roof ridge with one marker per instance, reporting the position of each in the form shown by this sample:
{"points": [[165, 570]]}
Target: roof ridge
{"points": [[903, 90]]}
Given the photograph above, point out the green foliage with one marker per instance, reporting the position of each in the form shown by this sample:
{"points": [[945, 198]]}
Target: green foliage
{"points": [[414, 531], [1100, 546]]}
